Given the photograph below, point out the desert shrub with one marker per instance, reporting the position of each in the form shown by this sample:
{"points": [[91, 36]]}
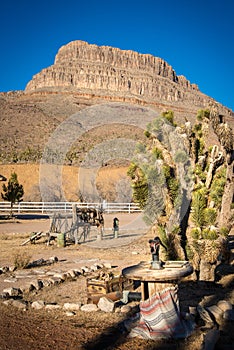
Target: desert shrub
{"points": [[30, 155], [4, 237], [181, 157], [157, 153], [203, 113], [140, 147], [199, 134], [169, 116], [147, 133], [197, 127], [21, 260]]}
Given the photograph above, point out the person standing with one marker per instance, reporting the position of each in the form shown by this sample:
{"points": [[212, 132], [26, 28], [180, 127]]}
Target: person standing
{"points": [[116, 227]]}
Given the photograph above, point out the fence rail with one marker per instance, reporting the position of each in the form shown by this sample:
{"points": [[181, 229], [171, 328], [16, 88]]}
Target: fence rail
{"points": [[66, 207]]}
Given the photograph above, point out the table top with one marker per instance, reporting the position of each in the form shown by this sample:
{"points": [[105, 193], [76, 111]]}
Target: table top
{"points": [[171, 271]]}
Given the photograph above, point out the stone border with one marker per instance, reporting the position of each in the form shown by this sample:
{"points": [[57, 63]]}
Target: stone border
{"points": [[14, 296]]}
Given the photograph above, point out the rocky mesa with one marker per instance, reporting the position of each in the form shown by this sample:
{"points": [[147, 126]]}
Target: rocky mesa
{"points": [[84, 75], [104, 70]]}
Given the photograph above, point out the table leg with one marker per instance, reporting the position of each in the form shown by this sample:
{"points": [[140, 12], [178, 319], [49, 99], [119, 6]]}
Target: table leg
{"points": [[144, 291]]}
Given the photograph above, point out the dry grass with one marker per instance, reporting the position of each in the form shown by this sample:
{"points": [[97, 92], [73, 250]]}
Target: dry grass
{"points": [[21, 259], [28, 176]]}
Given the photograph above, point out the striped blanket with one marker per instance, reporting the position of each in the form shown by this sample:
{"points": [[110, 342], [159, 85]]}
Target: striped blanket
{"points": [[160, 317]]}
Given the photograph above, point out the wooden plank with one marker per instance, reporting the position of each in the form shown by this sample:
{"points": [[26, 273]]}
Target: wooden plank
{"points": [[37, 235]]}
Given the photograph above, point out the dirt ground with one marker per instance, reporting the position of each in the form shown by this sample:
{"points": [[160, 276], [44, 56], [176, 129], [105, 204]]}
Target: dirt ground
{"points": [[43, 329]]}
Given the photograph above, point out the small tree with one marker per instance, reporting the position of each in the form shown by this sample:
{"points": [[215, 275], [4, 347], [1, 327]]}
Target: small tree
{"points": [[13, 191]]}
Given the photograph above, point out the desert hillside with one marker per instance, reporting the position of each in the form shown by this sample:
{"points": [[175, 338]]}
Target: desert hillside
{"points": [[28, 176]]}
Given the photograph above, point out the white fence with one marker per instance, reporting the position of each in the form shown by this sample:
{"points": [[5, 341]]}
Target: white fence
{"points": [[66, 207]]}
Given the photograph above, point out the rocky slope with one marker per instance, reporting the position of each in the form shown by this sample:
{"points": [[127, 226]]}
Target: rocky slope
{"points": [[84, 75]]}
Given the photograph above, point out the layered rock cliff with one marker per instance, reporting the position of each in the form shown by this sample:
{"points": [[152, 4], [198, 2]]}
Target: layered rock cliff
{"points": [[84, 75], [108, 71]]}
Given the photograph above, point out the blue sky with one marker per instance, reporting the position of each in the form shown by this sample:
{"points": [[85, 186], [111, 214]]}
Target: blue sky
{"points": [[196, 37]]}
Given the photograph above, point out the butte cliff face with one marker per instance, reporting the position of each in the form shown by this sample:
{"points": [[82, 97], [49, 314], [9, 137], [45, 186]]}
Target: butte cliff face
{"points": [[84, 75], [106, 71]]}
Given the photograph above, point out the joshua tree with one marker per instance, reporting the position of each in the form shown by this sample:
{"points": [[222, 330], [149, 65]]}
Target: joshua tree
{"points": [[157, 188], [13, 191], [213, 190]]}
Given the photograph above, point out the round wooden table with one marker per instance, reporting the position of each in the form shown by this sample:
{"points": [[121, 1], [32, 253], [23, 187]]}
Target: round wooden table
{"points": [[155, 280]]}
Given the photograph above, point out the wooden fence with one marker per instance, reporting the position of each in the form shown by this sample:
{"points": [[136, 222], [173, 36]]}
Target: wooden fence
{"points": [[66, 207]]}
